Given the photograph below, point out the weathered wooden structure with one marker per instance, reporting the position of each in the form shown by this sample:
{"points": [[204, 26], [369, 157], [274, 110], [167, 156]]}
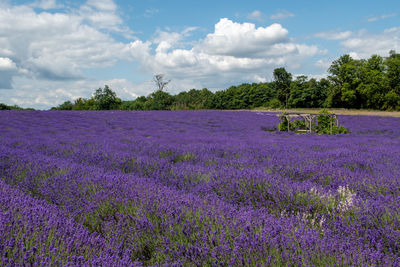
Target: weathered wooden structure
{"points": [[310, 119]]}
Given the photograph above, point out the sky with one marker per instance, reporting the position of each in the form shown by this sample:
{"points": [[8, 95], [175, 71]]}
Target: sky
{"points": [[57, 50]]}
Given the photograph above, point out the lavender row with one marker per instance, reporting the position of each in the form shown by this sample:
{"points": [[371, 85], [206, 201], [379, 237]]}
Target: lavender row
{"points": [[35, 232], [328, 199], [131, 208]]}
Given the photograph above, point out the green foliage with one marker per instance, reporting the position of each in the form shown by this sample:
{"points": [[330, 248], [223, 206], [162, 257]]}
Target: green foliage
{"points": [[283, 80], [345, 80], [325, 125], [193, 100], [283, 125], [372, 83], [308, 93], [15, 107], [105, 99], [274, 104], [83, 104], [159, 100], [67, 105]]}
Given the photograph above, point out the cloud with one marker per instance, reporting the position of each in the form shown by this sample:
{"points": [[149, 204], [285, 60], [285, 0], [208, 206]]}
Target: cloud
{"points": [[256, 15], [323, 64], [44, 56], [102, 14], [331, 35], [365, 44], [243, 40], [55, 46], [46, 4], [282, 14], [7, 69], [151, 12], [103, 5], [385, 16], [7, 64], [234, 52]]}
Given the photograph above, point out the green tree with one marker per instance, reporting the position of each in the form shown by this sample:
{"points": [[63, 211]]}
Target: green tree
{"points": [[343, 92], [158, 100], [283, 80], [372, 88], [67, 105], [105, 99], [392, 81], [298, 95], [137, 104], [4, 107], [260, 94], [83, 104]]}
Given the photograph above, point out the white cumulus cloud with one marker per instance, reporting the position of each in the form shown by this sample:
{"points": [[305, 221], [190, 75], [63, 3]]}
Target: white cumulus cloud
{"points": [[233, 53], [243, 39], [7, 64], [365, 44], [54, 45]]}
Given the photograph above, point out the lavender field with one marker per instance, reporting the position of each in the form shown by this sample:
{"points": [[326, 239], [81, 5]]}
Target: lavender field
{"points": [[184, 188]]}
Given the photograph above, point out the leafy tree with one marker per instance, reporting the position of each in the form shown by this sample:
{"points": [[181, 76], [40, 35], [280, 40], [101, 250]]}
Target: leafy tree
{"points": [[392, 81], [84, 104], [105, 99], [274, 103], [371, 88], [393, 71], [345, 80], [13, 107], [260, 94], [194, 99], [137, 104], [67, 105], [283, 80], [297, 96], [159, 100], [4, 107]]}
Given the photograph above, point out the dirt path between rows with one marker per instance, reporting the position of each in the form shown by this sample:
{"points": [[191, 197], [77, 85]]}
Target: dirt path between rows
{"points": [[336, 111]]}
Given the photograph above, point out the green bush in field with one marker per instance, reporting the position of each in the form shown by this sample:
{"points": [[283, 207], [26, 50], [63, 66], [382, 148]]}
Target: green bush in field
{"points": [[323, 125]]}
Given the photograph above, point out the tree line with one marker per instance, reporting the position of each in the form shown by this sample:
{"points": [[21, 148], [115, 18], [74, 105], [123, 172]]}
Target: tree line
{"points": [[14, 107], [372, 83]]}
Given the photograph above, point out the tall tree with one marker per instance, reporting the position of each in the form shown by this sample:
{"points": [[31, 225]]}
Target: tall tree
{"points": [[159, 81], [392, 80], [344, 80], [159, 100], [371, 88], [283, 80], [105, 99]]}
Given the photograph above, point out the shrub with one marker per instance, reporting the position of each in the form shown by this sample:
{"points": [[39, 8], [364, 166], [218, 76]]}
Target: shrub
{"points": [[325, 125]]}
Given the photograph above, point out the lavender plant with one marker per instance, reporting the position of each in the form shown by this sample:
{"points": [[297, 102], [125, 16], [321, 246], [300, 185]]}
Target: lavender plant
{"points": [[195, 188]]}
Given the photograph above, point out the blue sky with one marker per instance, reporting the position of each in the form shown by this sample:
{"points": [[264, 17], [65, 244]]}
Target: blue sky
{"points": [[53, 50]]}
